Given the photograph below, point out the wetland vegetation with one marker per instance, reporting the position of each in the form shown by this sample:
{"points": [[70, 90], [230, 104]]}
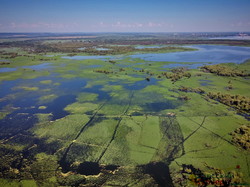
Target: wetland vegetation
{"points": [[124, 110]]}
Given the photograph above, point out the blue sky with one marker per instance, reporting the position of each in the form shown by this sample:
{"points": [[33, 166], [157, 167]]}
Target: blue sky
{"points": [[124, 15]]}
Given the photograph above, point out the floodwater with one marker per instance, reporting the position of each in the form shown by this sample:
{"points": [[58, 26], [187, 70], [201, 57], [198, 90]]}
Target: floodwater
{"points": [[205, 54], [4, 70], [39, 66], [26, 104], [28, 101], [189, 66], [212, 54], [86, 57]]}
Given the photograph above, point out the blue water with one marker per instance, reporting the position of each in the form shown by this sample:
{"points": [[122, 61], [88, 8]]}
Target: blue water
{"points": [[39, 66], [204, 82], [205, 54], [95, 66], [231, 38], [34, 67], [86, 57], [28, 101], [189, 66], [147, 47], [4, 70], [4, 60], [138, 85]]}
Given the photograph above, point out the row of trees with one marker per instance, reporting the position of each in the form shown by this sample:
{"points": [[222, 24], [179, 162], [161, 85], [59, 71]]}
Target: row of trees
{"points": [[177, 74], [103, 71], [237, 101], [241, 137], [222, 70], [195, 90]]}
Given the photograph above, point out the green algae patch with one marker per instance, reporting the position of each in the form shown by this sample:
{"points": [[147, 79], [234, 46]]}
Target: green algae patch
{"points": [[42, 107], [198, 106], [23, 74], [57, 84], [143, 141], [216, 150], [81, 108], [113, 109], [28, 183], [7, 110], [44, 117], [64, 129], [136, 141], [46, 90], [95, 139], [113, 88], [14, 183], [26, 88], [46, 82], [100, 133], [86, 96], [150, 134], [47, 98], [3, 114]]}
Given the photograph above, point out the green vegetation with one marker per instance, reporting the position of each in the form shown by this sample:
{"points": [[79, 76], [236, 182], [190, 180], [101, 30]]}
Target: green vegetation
{"points": [[28, 88], [241, 137], [236, 101], [176, 74], [46, 82], [223, 70], [120, 121], [47, 98]]}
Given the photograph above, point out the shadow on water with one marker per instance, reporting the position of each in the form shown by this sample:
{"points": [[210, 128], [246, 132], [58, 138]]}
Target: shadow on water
{"points": [[56, 107], [138, 85], [89, 168], [72, 86], [102, 95], [160, 173], [6, 87], [26, 103], [21, 159], [15, 123], [24, 118], [159, 106]]}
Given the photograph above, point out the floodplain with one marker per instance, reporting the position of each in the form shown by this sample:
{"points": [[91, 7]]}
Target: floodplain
{"points": [[96, 111]]}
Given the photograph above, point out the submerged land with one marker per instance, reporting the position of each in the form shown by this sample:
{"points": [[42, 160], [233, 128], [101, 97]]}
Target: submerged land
{"points": [[128, 109]]}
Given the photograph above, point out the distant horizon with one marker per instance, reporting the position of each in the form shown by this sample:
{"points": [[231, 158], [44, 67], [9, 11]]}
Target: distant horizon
{"points": [[111, 32], [118, 16]]}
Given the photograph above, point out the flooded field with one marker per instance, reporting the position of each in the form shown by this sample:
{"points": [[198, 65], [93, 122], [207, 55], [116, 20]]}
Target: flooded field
{"points": [[125, 120]]}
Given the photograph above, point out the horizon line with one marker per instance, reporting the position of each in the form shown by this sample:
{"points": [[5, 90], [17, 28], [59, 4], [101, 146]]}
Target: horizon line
{"points": [[130, 32]]}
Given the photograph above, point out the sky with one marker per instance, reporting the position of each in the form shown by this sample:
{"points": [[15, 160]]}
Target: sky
{"points": [[124, 15]]}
